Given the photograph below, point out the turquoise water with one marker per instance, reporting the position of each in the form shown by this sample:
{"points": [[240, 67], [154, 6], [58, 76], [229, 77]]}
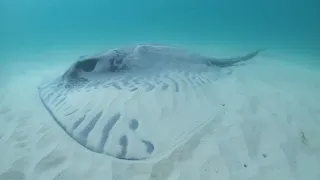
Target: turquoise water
{"points": [[32, 25]]}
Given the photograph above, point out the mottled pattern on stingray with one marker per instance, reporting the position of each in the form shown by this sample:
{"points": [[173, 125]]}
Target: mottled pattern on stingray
{"points": [[136, 103]]}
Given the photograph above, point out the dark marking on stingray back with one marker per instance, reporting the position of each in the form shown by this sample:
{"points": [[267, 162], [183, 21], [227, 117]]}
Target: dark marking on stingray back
{"points": [[106, 131], [149, 146], [78, 122], [134, 124], [85, 132], [116, 61], [124, 144]]}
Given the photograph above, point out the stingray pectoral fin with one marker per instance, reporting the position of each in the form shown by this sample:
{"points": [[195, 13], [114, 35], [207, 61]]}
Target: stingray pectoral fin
{"points": [[231, 61]]}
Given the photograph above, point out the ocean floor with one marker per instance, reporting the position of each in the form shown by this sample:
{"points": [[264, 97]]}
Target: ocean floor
{"points": [[269, 131]]}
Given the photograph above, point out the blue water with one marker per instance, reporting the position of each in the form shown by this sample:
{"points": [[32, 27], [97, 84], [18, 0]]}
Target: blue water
{"points": [[284, 24]]}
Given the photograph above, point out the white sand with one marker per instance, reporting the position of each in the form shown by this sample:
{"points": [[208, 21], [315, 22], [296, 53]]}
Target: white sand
{"points": [[270, 131]]}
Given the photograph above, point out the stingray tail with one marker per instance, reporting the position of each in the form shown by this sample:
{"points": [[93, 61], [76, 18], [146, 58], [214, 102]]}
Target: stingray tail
{"points": [[232, 61]]}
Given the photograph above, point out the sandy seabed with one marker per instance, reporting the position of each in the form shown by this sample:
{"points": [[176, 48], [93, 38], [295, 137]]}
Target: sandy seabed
{"points": [[269, 131]]}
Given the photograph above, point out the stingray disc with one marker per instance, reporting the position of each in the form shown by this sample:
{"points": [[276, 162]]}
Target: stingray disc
{"points": [[136, 103]]}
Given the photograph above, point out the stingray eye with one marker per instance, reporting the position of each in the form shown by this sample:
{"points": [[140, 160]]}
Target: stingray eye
{"points": [[87, 65]]}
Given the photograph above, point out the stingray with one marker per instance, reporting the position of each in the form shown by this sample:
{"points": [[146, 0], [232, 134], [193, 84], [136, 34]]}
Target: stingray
{"points": [[139, 102]]}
